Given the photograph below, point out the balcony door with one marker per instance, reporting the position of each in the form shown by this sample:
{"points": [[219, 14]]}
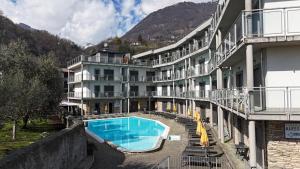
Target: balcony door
{"points": [[202, 89], [109, 91], [97, 74], [97, 90], [134, 90], [108, 74], [134, 75], [239, 80]]}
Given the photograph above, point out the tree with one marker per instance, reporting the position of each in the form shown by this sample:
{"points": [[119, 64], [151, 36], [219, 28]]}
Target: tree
{"points": [[140, 39], [29, 86]]}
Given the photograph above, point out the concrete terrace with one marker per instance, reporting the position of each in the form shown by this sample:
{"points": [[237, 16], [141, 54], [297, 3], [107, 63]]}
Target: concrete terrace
{"points": [[108, 158]]}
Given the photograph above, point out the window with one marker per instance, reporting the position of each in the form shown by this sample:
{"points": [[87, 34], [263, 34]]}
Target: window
{"points": [[97, 74], [108, 74], [97, 90]]}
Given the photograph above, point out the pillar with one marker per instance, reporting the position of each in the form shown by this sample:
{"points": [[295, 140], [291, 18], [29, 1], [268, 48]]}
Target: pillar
{"points": [[128, 90], [81, 83], [68, 90], [220, 111], [121, 106], [252, 144], [250, 84], [237, 134], [210, 104]]}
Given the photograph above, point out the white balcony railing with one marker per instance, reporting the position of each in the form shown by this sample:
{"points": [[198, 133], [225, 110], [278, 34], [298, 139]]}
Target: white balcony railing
{"points": [[94, 77], [272, 22], [107, 60], [95, 95]]}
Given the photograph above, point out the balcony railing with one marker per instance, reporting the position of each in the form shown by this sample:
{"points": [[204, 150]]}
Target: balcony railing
{"points": [[199, 71], [107, 60], [92, 77], [142, 94], [272, 22], [107, 94], [257, 23]]}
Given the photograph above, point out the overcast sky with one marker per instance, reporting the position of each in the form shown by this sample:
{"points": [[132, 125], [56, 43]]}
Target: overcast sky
{"points": [[83, 21]]}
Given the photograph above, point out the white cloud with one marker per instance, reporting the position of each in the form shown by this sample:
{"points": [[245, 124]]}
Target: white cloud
{"points": [[82, 21]]}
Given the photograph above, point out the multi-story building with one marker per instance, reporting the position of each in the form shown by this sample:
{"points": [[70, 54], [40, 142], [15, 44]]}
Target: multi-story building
{"points": [[99, 83], [240, 69]]}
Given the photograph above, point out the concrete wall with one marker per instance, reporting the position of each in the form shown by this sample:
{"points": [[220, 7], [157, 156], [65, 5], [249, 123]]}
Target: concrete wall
{"points": [[281, 152], [63, 150]]}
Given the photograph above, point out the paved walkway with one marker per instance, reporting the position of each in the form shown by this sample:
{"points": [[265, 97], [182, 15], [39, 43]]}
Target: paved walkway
{"points": [[229, 151], [108, 158]]}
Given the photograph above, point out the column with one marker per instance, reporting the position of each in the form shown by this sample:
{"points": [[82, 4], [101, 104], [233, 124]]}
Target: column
{"points": [[121, 106], [237, 134], [68, 90], [81, 83], [220, 111], [250, 84], [159, 59], [252, 144], [210, 104], [128, 90]]}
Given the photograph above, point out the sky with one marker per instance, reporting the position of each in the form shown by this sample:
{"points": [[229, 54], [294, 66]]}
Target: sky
{"points": [[83, 21]]}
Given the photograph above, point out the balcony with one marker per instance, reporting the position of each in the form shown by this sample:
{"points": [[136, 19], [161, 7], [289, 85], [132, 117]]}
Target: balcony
{"points": [[262, 102], [179, 76], [92, 77], [142, 94], [199, 71], [261, 25], [163, 78], [96, 95], [272, 22], [106, 60]]}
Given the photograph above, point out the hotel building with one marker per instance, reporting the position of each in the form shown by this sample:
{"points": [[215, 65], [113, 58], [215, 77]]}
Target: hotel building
{"points": [[240, 69]]}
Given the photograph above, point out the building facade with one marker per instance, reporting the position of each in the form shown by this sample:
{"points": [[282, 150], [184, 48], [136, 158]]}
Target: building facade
{"points": [[99, 83], [240, 69]]}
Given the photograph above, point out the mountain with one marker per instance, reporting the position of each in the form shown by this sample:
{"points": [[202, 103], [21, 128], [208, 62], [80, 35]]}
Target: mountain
{"points": [[169, 24], [39, 42], [160, 28]]}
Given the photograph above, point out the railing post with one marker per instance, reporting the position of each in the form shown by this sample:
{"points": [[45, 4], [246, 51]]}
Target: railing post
{"points": [[243, 24]]}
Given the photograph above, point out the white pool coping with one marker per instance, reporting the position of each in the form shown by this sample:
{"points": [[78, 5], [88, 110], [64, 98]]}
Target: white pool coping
{"points": [[162, 137]]}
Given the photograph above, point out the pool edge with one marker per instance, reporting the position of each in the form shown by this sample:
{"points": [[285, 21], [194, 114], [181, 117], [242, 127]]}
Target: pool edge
{"points": [[159, 143]]}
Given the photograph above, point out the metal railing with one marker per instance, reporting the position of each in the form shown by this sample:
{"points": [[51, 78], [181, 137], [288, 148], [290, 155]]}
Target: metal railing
{"points": [[107, 60], [95, 95], [94, 77], [257, 23], [193, 162], [272, 22]]}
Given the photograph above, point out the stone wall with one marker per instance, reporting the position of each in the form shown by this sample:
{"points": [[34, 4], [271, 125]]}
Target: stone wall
{"points": [[281, 152], [63, 150]]}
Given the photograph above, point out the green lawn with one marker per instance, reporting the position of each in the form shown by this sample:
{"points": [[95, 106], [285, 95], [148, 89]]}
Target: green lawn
{"points": [[24, 137]]}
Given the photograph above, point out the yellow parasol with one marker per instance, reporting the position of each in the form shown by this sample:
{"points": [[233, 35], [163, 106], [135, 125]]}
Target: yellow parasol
{"points": [[189, 112], [168, 107], [198, 129], [204, 138], [174, 108], [139, 106], [106, 108]]}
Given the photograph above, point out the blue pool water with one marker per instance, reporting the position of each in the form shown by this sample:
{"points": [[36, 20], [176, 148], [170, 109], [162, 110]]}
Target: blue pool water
{"points": [[129, 133]]}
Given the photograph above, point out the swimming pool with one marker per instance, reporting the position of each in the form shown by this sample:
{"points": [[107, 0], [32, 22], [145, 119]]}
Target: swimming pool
{"points": [[130, 134]]}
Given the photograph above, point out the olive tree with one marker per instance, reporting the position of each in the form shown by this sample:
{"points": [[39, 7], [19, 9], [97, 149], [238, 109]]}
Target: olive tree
{"points": [[29, 86]]}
